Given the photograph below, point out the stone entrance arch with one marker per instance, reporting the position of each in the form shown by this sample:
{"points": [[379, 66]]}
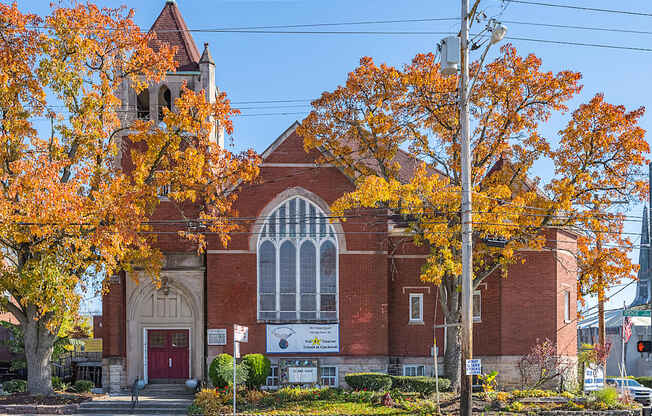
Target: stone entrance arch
{"points": [[179, 307]]}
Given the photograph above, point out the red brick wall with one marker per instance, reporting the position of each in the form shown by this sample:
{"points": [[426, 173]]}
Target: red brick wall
{"points": [[98, 328], [363, 281], [373, 288], [114, 320]]}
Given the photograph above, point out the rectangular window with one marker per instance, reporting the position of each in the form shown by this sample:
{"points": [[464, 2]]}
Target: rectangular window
{"points": [[272, 379], [164, 191], [328, 376], [567, 306], [416, 307], [414, 370], [477, 306]]}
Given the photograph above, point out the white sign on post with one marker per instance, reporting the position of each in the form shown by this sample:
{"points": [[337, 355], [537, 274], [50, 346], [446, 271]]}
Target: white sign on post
{"points": [[473, 367], [240, 333], [593, 379]]}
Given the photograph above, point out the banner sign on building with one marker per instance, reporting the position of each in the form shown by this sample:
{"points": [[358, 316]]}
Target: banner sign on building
{"points": [[297, 338]]}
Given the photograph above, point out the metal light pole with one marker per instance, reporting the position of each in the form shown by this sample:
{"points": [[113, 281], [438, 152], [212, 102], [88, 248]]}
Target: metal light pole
{"points": [[466, 394]]}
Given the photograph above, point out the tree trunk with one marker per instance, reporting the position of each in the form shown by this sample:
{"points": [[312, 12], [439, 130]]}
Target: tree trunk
{"points": [[451, 306], [453, 356], [39, 344]]}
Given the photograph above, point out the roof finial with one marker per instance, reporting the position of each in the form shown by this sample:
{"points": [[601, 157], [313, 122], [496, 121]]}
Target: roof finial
{"points": [[206, 56]]}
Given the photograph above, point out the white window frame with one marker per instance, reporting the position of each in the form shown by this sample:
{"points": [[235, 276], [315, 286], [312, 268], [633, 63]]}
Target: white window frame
{"points": [[297, 240], [269, 382], [567, 306], [477, 317], [414, 367], [420, 317], [334, 377]]}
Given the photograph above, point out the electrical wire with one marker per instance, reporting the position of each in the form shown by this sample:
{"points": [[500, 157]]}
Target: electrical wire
{"points": [[583, 8]]}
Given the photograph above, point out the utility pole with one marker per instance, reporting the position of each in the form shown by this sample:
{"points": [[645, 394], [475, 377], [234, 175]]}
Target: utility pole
{"points": [[466, 393]]}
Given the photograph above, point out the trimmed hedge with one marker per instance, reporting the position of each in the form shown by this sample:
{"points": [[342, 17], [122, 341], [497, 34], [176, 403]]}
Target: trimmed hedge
{"points": [[258, 367], [369, 381], [220, 371], [646, 381], [424, 385]]}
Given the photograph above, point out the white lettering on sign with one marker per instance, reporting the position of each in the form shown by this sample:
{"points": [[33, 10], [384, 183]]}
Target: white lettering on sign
{"points": [[297, 338], [240, 333], [593, 379], [302, 375], [473, 367]]}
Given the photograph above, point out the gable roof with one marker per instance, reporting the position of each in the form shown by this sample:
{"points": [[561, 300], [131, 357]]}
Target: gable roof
{"points": [[171, 29], [408, 163]]}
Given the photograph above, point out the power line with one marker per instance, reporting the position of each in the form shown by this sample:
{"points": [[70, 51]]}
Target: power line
{"points": [[591, 9], [568, 43], [592, 28]]}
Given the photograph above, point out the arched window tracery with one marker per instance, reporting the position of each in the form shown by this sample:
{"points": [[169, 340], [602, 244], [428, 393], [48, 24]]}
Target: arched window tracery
{"points": [[297, 264]]}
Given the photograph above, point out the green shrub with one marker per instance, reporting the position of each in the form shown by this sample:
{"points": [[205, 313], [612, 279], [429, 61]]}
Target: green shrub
{"points": [[57, 384], [15, 386], [369, 381], [607, 395], [423, 385], [258, 369], [83, 386], [221, 371], [646, 381]]}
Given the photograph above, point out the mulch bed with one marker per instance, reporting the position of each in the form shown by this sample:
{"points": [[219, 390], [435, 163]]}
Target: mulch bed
{"points": [[55, 399]]}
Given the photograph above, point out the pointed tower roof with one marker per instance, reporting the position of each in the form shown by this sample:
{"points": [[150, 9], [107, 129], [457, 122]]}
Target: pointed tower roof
{"points": [[206, 56], [644, 255], [644, 274], [170, 28]]}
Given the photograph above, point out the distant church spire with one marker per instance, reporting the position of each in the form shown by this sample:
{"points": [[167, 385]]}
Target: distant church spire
{"points": [[644, 272]]}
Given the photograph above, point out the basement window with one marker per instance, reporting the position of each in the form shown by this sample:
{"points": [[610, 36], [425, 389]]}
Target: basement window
{"points": [[328, 376], [414, 370], [272, 379]]}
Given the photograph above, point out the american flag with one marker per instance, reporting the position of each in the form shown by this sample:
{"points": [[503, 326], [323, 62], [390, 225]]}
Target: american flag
{"points": [[627, 328]]}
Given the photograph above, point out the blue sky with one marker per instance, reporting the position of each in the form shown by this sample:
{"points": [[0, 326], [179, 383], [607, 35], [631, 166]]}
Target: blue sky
{"points": [[264, 67]]}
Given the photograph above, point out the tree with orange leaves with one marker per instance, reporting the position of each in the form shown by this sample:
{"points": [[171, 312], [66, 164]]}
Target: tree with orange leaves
{"points": [[367, 126], [66, 211]]}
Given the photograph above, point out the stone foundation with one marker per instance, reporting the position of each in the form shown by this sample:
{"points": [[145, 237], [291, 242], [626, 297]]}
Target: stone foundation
{"points": [[114, 376]]}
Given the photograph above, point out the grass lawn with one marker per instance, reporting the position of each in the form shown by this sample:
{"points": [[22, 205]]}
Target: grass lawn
{"points": [[330, 407]]}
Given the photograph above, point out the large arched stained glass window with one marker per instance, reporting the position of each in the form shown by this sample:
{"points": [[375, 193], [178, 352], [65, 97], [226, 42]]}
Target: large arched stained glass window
{"points": [[297, 264]]}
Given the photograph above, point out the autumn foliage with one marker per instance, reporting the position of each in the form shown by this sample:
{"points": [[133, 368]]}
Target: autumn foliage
{"points": [[396, 131], [67, 209]]}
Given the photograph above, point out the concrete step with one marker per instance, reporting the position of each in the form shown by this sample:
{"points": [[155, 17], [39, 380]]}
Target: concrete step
{"points": [[179, 404], [110, 407], [130, 411]]}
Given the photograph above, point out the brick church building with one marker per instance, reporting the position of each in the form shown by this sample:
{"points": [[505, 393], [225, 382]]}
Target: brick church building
{"points": [[328, 297]]}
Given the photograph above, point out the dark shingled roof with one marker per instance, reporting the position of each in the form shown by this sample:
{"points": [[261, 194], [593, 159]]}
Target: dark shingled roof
{"points": [[171, 29]]}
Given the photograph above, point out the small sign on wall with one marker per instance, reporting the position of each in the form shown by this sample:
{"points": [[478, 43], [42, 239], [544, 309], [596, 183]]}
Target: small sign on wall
{"points": [[302, 375], [216, 336]]}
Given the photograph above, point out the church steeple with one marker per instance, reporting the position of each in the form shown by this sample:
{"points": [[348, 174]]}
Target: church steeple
{"points": [[644, 272], [171, 29]]}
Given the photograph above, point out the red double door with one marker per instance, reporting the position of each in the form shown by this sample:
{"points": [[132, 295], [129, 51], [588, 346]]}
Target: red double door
{"points": [[168, 355]]}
